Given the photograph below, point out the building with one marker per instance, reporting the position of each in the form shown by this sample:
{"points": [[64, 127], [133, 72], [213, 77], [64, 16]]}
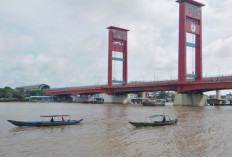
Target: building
{"points": [[36, 87]]}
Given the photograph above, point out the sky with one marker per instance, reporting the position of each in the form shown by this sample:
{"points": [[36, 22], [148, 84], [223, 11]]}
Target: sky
{"points": [[64, 43]]}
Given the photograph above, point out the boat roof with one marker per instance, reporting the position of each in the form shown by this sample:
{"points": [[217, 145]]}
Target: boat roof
{"points": [[54, 115], [156, 115]]}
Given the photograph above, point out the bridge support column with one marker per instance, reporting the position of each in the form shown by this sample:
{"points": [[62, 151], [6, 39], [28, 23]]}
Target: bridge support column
{"points": [[190, 100], [83, 98], [143, 95], [117, 99], [218, 94]]}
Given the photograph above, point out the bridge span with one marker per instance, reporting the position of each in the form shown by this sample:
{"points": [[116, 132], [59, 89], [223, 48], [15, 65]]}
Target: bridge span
{"points": [[196, 87], [190, 87]]}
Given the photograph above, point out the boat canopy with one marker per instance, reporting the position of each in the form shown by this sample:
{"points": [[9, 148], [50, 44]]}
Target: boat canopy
{"points": [[156, 115], [54, 115]]}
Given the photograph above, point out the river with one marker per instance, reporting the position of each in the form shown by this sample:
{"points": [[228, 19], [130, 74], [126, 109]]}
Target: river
{"points": [[105, 131]]}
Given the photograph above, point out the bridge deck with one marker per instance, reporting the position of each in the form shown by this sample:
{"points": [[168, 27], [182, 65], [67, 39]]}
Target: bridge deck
{"points": [[207, 84]]}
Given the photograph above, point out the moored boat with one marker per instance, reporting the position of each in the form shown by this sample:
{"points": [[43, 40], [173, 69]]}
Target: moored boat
{"points": [[58, 122], [150, 102], [163, 122]]}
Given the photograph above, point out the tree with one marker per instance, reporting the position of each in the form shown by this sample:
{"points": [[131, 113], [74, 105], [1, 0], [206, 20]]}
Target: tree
{"points": [[8, 92], [19, 93], [35, 93], [163, 95], [1, 92]]}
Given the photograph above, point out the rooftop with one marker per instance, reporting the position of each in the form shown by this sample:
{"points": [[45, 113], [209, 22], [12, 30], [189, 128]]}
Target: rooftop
{"points": [[117, 28], [191, 2]]}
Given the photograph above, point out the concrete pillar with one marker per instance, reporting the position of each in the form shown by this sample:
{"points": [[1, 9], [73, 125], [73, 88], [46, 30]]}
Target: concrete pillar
{"points": [[218, 94], [154, 93], [83, 98], [143, 95], [117, 99], [190, 100]]}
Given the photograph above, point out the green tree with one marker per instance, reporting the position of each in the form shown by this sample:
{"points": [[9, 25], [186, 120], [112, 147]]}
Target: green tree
{"points": [[19, 93], [37, 93], [173, 96], [163, 95], [8, 92], [1, 92]]}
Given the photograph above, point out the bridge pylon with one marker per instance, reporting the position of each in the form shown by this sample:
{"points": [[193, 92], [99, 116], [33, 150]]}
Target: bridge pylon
{"points": [[117, 43], [190, 21]]}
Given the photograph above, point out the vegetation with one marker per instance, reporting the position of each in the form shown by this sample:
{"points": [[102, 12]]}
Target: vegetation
{"points": [[18, 93], [164, 95]]}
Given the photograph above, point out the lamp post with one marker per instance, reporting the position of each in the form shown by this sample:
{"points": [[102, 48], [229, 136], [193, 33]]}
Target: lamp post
{"points": [[218, 69], [170, 74], [218, 92]]}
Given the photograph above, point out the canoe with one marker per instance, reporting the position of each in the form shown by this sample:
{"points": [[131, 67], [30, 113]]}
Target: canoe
{"points": [[52, 122], [153, 123], [156, 123], [44, 123]]}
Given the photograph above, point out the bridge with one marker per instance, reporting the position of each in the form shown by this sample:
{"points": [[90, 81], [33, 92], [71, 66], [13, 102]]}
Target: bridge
{"points": [[207, 84], [190, 87]]}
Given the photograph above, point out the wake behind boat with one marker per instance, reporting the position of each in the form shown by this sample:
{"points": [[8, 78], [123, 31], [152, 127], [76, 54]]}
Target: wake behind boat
{"points": [[56, 120], [163, 122]]}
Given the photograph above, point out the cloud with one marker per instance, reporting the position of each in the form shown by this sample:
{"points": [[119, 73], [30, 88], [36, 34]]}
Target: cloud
{"points": [[217, 57], [65, 43]]}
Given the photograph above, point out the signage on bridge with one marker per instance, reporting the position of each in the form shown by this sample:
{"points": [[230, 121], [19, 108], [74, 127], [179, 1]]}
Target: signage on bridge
{"points": [[191, 76]]}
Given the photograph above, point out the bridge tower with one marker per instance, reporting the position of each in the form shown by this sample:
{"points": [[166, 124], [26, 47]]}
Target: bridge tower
{"points": [[190, 21], [117, 43]]}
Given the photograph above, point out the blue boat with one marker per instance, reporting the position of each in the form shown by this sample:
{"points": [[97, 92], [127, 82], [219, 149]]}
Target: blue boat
{"points": [[56, 120]]}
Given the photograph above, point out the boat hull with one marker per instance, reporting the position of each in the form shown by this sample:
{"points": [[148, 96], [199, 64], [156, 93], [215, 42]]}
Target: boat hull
{"points": [[44, 123], [156, 123], [153, 103]]}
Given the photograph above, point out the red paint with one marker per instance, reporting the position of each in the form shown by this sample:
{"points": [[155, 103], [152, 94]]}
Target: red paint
{"points": [[187, 10], [191, 1], [118, 35], [216, 83]]}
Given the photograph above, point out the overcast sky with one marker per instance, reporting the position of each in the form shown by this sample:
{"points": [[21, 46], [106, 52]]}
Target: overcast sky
{"points": [[65, 42]]}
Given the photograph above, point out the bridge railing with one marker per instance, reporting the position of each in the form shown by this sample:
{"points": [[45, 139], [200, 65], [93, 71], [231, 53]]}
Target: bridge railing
{"points": [[105, 85], [209, 78], [66, 88], [217, 78], [150, 82]]}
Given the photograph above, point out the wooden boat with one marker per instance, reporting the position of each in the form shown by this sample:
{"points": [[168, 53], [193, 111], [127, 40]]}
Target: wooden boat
{"points": [[56, 120], [163, 122], [149, 102]]}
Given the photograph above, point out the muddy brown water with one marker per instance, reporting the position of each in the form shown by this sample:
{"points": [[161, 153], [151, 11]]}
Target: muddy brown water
{"points": [[105, 131]]}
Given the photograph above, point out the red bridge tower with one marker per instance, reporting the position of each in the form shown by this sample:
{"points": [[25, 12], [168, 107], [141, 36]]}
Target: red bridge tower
{"points": [[118, 43], [190, 20]]}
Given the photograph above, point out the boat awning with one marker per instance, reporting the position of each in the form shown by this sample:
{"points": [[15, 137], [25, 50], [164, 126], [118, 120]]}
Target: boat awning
{"points": [[156, 115], [54, 115]]}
